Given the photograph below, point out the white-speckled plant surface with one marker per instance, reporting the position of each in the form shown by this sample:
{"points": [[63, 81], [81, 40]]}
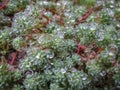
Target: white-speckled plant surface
{"points": [[59, 44]]}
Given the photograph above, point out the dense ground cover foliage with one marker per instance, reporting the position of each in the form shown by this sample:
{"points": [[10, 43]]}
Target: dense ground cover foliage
{"points": [[59, 45]]}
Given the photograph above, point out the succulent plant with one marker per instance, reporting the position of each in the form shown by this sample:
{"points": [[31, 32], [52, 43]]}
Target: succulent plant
{"points": [[60, 45]]}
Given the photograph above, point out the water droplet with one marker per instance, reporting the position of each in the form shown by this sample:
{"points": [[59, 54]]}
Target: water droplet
{"points": [[38, 56], [49, 54], [63, 70], [52, 63], [112, 1], [111, 6], [40, 39], [21, 66], [84, 78], [100, 35], [60, 34], [118, 25], [74, 70], [111, 53], [58, 4], [100, 2], [113, 49], [29, 72], [103, 73], [111, 13], [93, 26]]}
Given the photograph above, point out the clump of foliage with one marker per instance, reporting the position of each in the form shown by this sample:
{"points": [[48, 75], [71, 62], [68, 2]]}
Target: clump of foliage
{"points": [[60, 45], [15, 6]]}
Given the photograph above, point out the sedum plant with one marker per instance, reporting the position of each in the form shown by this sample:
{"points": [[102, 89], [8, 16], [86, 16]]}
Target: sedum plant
{"points": [[15, 6], [35, 82], [4, 20], [17, 87], [5, 40], [60, 45], [116, 77]]}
